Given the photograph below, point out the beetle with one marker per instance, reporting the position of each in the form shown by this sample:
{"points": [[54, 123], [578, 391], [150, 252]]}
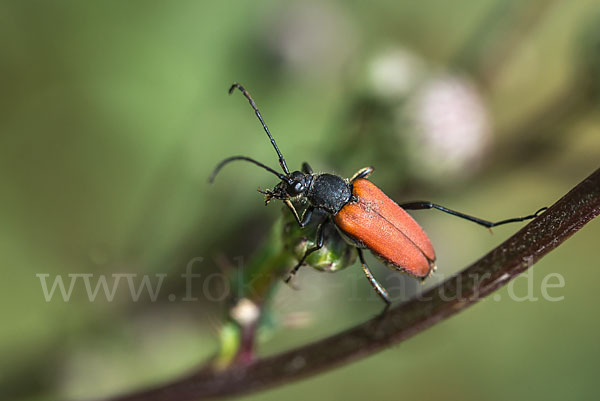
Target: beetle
{"points": [[363, 215]]}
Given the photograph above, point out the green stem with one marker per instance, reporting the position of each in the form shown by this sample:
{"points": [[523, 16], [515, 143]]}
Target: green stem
{"points": [[253, 287]]}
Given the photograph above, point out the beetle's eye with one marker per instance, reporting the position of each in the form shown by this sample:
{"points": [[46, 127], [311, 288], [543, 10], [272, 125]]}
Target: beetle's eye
{"points": [[298, 187]]}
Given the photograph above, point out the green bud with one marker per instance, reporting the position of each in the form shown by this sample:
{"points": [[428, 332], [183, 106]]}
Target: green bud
{"points": [[335, 254]]}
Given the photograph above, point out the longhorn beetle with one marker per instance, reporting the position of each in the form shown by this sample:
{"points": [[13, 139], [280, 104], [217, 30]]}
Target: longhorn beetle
{"points": [[364, 216]]}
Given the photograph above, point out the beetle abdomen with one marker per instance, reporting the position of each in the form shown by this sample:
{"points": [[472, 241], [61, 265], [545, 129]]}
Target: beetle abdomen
{"points": [[386, 229]]}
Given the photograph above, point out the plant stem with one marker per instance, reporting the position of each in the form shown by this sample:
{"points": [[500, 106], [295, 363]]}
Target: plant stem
{"points": [[455, 294], [253, 286]]}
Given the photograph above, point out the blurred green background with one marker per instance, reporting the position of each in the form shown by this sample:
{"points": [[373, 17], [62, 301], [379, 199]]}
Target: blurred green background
{"points": [[114, 113]]}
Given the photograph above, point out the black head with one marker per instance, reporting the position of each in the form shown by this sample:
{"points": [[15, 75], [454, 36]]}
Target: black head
{"points": [[297, 186], [292, 185]]}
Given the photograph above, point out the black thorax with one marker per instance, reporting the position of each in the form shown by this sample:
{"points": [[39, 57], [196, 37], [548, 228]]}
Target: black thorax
{"points": [[329, 192]]}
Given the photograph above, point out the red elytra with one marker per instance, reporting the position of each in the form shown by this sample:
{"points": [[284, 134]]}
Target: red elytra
{"points": [[378, 223]]}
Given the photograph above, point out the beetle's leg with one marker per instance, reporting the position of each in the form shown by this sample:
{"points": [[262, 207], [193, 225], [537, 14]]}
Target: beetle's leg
{"points": [[362, 173], [485, 223], [290, 206], [318, 245], [381, 291], [306, 216], [302, 222], [306, 168]]}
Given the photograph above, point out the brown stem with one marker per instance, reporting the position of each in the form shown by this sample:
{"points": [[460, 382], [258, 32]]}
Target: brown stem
{"points": [[492, 271]]}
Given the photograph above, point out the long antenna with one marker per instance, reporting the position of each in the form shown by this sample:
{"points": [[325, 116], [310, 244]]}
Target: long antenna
{"points": [[245, 92], [234, 158]]}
